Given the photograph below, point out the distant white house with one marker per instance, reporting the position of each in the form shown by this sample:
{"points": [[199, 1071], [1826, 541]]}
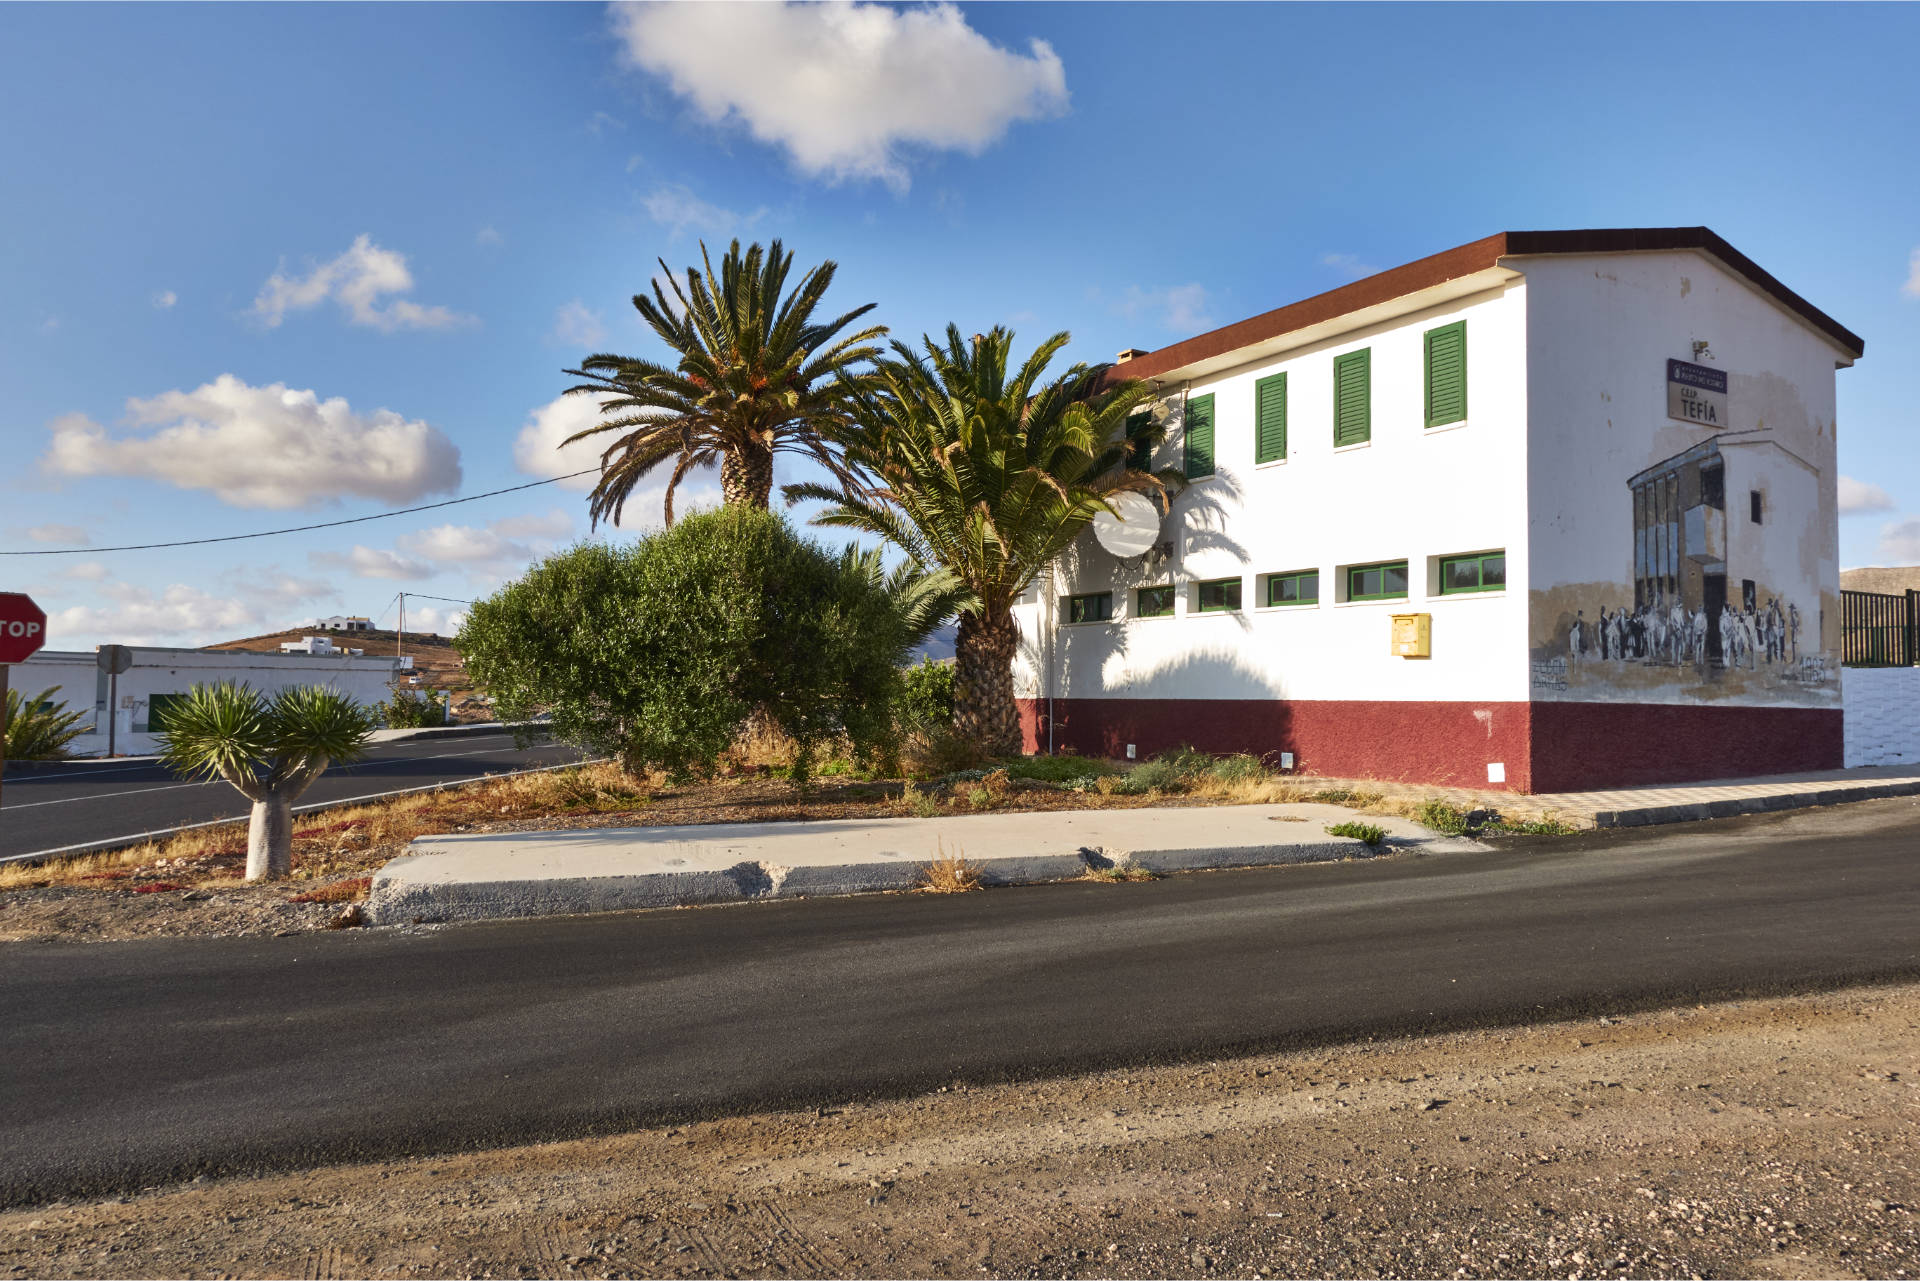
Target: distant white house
{"points": [[160, 676], [344, 623], [315, 645]]}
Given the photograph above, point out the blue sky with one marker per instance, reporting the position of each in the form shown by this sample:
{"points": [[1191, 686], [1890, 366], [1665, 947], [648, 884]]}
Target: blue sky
{"points": [[271, 265]]}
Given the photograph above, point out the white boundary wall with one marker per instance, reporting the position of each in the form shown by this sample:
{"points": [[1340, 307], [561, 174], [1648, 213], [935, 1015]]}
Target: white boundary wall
{"points": [[1882, 715], [83, 686]]}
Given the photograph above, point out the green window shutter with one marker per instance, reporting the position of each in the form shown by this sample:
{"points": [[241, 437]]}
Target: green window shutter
{"points": [[1139, 449], [1199, 437], [1447, 374], [1353, 397], [1270, 419]]}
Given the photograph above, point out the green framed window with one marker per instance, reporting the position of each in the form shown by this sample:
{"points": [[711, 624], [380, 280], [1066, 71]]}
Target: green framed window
{"points": [[1217, 596], [1353, 397], [1139, 441], [1481, 572], [1154, 602], [1384, 581], [159, 706], [1198, 431], [1446, 360], [1299, 588], [1094, 607], [1270, 419]]}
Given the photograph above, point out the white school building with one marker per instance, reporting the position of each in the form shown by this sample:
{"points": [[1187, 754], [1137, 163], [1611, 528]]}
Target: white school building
{"points": [[1547, 511]]}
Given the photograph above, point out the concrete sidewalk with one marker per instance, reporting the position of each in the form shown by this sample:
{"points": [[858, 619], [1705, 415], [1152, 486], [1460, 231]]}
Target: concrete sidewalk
{"points": [[613, 869], [1669, 803]]}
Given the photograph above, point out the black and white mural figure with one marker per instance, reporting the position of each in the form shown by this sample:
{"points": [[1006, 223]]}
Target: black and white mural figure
{"points": [[1703, 620]]}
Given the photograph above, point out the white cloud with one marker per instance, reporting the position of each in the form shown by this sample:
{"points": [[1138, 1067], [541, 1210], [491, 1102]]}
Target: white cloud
{"points": [[1349, 265], [600, 122], [71, 535], [363, 281], [1180, 307], [488, 237], [165, 299], [537, 450], [87, 571], [1901, 543], [553, 524], [442, 620], [250, 602], [271, 446], [372, 562], [845, 88], [679, 210], [1912, 288], [577, 325], [1859, 496]]}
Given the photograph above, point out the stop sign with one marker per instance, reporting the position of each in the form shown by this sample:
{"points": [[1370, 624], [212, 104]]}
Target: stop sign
{"points": [[23, 627]]}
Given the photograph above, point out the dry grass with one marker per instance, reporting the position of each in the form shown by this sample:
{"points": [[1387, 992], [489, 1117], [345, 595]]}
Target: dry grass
{"points": [[1120, 873], [351, 890], [949, 873]]}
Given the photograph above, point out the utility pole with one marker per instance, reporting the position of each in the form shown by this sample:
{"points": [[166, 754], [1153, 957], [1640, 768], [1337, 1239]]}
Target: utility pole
{"points": [[401, 635]]}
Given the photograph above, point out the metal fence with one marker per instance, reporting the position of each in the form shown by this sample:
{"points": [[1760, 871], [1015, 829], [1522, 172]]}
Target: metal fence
{"points": [[1877, 629]]}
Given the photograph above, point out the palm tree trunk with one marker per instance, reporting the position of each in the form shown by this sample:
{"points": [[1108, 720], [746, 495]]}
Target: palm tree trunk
{"points": [[746, 476], [270, 838], [983, 706]]}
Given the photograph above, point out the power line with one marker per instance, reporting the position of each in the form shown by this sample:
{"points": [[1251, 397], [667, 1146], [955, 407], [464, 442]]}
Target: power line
{"points": [[297, 529]]}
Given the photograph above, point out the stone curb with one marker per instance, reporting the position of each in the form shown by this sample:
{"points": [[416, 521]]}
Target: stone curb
{"points": [[396, 901], [1693, 811]]}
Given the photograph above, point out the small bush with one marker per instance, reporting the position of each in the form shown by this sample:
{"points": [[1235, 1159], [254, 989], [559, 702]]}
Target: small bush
{"points": [[1367, 832], [980, 798], [1548, 826], [1120, 872], [997, 782], [1237, 769], [949, 873], [410, 708], [1439, 816], [918, 803], [1155, 775], [1058, 769], [1185, 761], [925, 699]]}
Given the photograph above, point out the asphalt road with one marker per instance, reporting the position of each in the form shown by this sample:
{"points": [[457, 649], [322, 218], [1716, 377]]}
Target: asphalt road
{"points": [[49, 807], [136, 1063]]}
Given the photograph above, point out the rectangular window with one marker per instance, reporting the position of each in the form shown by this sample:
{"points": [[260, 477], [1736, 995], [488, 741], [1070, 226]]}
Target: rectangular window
{"points": [[1755, 503], [1198, 430], [1140, 441], [1095, 607], [1270, 419], [1387, 581], [1447, 374], [1353, 397], [1154, 602], [158, 708], [1222, 595], [1301, 588], [1484, 572]]}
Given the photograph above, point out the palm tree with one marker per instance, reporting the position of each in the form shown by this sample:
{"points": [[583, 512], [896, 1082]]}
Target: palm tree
{"points": [[38, 728], [271, 749], [756, 375], [989, 474]]}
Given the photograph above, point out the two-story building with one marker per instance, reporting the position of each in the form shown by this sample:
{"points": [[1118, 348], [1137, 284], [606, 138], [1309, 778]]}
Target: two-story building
{"points": [[1551, 510]]}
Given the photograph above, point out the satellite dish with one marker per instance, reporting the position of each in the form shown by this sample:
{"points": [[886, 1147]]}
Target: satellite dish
{"points": [[1132, 528]]}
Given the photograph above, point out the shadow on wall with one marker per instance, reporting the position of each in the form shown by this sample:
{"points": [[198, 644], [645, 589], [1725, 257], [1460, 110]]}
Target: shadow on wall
{"points": [[1219, 705]]}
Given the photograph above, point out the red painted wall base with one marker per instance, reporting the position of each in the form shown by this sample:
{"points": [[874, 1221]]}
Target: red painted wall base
{"points": [[1545, 747]]}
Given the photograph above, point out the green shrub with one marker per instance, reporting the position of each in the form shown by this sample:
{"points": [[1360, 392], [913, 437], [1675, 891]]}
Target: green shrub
{"points": [[1058, 769], [1441, 817], [1147, 776], [926, 694], [1238, 768], [409, 708], [1532, 827], [1185, 761], [659, 651], [1367, 832], [38, 728], [918, 803]]}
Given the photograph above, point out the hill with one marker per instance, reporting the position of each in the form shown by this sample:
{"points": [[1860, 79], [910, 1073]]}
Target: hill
{"points": [[437, 662]]}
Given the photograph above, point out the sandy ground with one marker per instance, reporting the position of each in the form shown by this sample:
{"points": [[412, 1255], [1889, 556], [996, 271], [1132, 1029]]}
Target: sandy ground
{"points": [[1757, 1138]]}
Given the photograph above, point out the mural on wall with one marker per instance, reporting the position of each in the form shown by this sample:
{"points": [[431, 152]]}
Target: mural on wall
{"points": [[1723, 601]]}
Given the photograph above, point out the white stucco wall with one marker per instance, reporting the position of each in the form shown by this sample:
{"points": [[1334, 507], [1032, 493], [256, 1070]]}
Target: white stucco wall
{"points": [[1410, 493], [1600, 331], [1882, 715], [83, 687]]}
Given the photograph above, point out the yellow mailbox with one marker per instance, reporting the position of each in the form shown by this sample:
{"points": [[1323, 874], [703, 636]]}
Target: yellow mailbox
{"points": [[1413, 635]]}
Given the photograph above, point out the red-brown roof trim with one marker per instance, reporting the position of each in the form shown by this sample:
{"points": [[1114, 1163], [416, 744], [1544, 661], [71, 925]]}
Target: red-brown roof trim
{"points": [[1480, 255]]}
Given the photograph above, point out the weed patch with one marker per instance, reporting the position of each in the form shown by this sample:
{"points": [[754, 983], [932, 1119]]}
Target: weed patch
{"points": [[949, 873], [1120, 872], [1368, 832]]}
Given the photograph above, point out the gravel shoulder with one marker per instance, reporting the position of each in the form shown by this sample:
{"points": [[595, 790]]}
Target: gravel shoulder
{"points": [[1774, 1138]]}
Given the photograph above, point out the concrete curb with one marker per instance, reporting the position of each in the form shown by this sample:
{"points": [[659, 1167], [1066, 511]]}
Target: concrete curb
{"points": [[398, 900], [1730, 807]]}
